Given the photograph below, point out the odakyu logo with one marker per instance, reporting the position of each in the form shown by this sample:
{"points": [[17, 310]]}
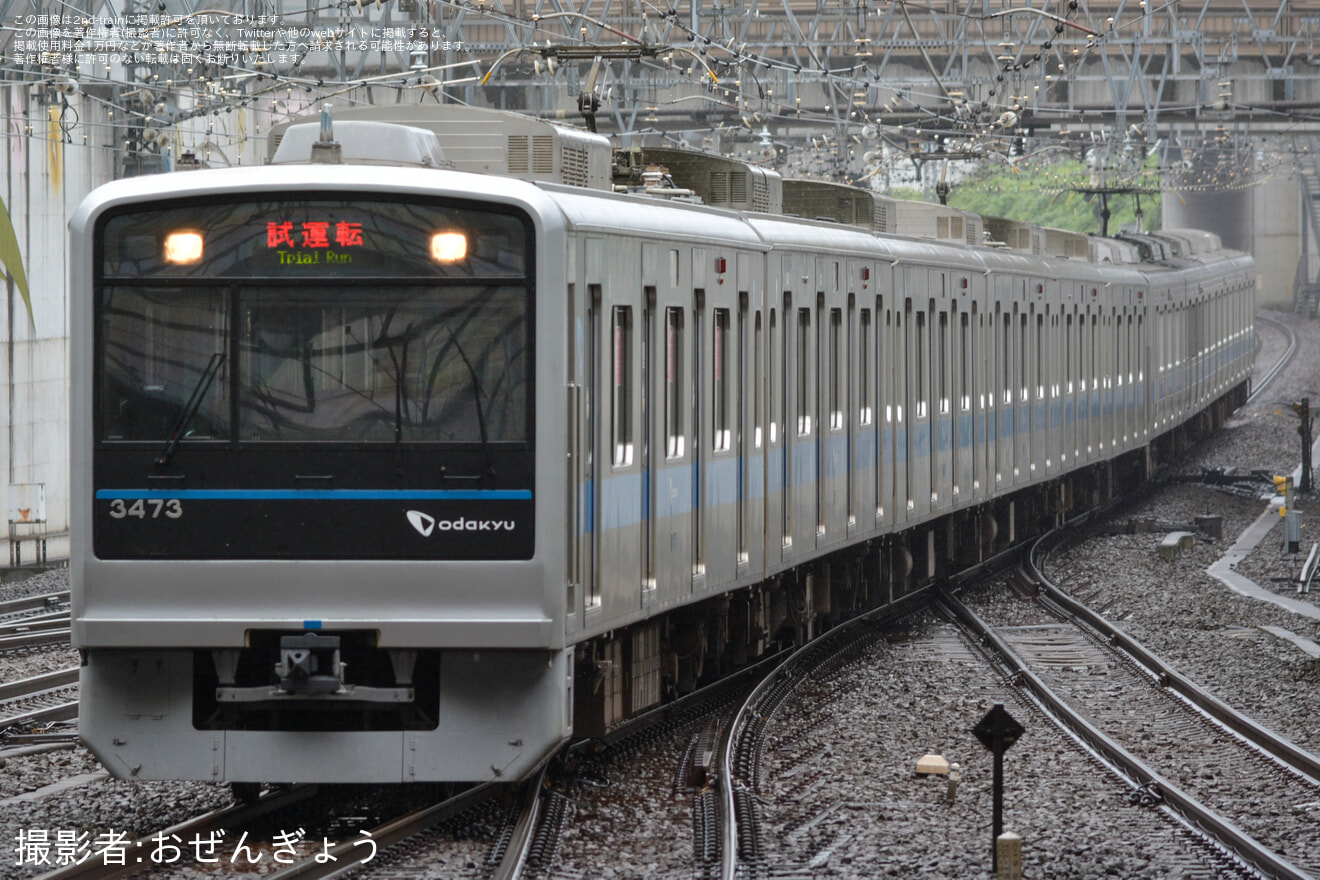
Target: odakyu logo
{"points": [[425, 524]]}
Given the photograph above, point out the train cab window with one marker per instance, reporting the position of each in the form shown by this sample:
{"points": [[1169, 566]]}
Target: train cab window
{"points": [[622, 386], [675, 397], [722, 435], [804, 349], [864, 410], [836, 369]]}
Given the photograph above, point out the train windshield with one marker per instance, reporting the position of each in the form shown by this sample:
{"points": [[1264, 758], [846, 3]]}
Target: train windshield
{"points": [[307, 322]]}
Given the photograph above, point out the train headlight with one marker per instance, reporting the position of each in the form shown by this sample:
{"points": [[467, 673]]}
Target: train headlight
{"points": [[183, 247], [448, 247]]}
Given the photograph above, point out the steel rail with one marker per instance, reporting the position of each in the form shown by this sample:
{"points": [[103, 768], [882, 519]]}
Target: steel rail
{"points": [[14, 606], [66, 711], [36, 623], [727, 780], [1283, 361], [35, 640], [96, 868], [1218, 827], [26, 687], [1282, 750]]}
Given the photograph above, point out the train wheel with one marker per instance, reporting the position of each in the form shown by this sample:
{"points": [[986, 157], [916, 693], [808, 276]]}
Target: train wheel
{"points": [[246, 793]]}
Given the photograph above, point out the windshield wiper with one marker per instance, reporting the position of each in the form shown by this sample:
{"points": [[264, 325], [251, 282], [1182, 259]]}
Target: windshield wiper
{"points": [[190, 409], [476, 398]]}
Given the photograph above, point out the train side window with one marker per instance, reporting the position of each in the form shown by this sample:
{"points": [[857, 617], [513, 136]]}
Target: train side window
{"points": [[622, 386], [756, 381], [675, 399], [965, 360], [722, 435], [864, 410], [804, 348], [1006, 360], [943, 354], [836, 369], [776, 372], [899, 349], [919, 363], [1024, 392], [1039, 365]]}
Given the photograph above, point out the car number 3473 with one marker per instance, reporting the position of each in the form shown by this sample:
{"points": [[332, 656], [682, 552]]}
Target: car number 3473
{"points": [[148, 508]]}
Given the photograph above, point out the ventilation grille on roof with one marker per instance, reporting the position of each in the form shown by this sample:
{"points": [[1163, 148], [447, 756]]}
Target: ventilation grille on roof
{"points": [[538, 150], [738, 187], [881, 219], [543, 154], [760, 195], [575, 167], [719, 187]]}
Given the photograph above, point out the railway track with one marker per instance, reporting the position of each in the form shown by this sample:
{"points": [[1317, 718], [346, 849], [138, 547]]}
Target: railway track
{"points": [[1180, 749], [1289, 352], [19, 607], [39, 701]]}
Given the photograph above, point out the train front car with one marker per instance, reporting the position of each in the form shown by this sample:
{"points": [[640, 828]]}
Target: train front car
{"points": [[306, 540]]}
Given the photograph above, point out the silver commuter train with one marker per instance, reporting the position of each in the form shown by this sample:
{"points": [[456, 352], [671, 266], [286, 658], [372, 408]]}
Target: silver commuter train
{"points": [[390, 472]]}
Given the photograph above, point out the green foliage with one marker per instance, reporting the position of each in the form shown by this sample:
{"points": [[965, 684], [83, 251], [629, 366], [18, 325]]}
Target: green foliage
{"points": [[1042, 195]]}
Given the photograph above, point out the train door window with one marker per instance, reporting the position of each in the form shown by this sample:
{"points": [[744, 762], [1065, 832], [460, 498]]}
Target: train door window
{"points": [[740, 377], [622, 386], [1141, 368], [882, 389], [1052, 357], [721, 430], [1069, 356], [803, 389], [697, 429], [911, 383], [786, 473], [1118, 350], [675, 399], [647, 421], [919, 365], [1038, 367], [592, 596], [574, 530], [864, 409], [1024, 376], [836, 389], [757, 374], [1006, 359], [775, 369], [943, 353], [965, 361]]}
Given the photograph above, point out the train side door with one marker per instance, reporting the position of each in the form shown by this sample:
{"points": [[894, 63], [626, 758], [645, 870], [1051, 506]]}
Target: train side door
{"points": [[916, 375], [776, 449], [884, 410], [671, 391], [751, 400], [1021, 392], [612, 274]]}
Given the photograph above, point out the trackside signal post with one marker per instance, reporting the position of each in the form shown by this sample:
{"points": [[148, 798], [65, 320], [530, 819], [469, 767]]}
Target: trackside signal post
{"points": [[997, 731], [1303, 410]]}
